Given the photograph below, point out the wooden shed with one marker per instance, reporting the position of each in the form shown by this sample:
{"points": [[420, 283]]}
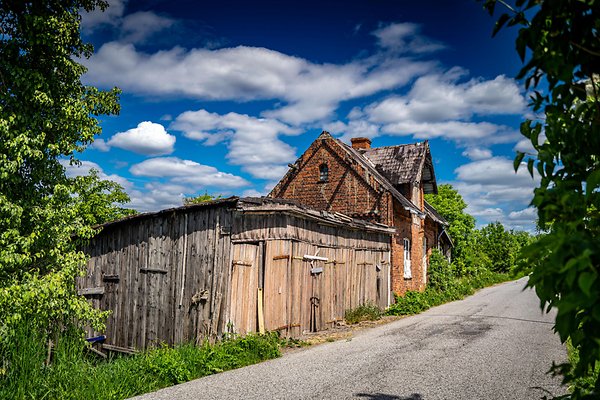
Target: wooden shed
{"points": [[233, 265]]}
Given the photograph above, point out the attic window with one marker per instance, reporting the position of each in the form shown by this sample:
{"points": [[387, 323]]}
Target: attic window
{"points": [[323, 173]]}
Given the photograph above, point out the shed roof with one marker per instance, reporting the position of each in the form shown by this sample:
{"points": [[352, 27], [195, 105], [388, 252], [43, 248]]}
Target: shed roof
{"points": [[265, 204]]}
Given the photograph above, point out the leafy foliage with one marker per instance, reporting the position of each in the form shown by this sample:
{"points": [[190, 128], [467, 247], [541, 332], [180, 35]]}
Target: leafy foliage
{"points": [[454, 289], [501, 246], [364, 312], [97, 200], [46, 114], [559, 45], [200, 199], [450, 204]]}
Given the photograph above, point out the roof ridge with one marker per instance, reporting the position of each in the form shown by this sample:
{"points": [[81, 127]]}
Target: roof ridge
{"points": [[396, 145]]}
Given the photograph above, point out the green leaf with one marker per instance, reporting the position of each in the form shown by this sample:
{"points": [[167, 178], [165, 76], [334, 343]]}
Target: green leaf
{"points": [[518, 158], [500, 23], [585, 281], [530, 164], [593, 181]]}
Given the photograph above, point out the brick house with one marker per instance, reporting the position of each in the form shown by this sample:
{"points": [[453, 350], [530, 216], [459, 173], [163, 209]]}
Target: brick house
{"points": [[384, 185]]}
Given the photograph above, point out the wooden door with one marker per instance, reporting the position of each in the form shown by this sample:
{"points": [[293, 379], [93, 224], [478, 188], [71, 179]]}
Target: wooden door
{"points": [[244, 287], [277, 285]]}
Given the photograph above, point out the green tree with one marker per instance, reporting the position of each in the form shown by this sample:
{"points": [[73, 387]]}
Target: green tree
{"points": [[450, 204], [559, 44], [99, 200], [200, 199], [501, 246], [46, 114]]}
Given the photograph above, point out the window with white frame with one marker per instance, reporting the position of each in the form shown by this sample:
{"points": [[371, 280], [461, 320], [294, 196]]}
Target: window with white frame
{"points": [[407, 270]]}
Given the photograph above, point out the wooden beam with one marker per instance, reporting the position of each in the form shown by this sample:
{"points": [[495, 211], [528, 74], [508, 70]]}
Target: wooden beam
{"points": [[261, 313], [119, 349], [91, 291], [153, 270]]}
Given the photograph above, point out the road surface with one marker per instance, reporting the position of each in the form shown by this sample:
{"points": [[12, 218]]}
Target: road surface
{"points": [[495, 344]]}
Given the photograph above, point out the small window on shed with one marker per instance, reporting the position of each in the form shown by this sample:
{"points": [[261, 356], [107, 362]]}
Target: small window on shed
{"points": [[323, 173]]}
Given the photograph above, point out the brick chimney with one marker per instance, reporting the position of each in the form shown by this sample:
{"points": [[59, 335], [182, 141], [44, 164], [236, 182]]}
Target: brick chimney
{"points": [[361, 143]]}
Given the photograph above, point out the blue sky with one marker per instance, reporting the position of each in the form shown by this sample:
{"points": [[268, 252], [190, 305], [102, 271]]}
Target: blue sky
{"points": [[219, 97]]}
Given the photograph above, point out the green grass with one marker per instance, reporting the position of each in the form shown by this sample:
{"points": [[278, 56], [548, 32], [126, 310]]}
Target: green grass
{"points": [[73, 374], [454, 289], [364, 312], [582, 385]]}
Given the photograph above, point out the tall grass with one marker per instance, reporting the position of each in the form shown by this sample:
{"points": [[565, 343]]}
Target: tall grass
{"points": [[75, 374], [364, 312]]}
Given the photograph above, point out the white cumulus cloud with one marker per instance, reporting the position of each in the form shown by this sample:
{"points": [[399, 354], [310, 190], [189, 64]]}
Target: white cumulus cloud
{"points": [[494, 192], [309, 91], [405, 37], [147, 138], [187, 172], [253, 143]]}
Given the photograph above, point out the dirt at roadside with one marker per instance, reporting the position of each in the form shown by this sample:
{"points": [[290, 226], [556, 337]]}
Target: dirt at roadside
{"points": [[341, 331]]}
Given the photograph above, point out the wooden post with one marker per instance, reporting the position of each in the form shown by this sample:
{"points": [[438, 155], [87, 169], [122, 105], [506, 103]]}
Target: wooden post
{"points": [[261, 314]]}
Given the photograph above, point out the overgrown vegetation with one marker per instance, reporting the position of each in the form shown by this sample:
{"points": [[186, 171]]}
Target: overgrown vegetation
{"points": [[202, 198], [444, 285], [491, 248], [364, 312], [559, 44], [74, 374], [481, 257]]}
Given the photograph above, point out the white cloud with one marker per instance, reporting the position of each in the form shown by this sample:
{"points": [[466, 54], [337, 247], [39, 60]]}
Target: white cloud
{"points": [[310, 91], [111, 16], [253, 142], [356, 128], [494, 192], [100, 145], [405, 38], [436, 98], [477, 153], [464, 133], [84, 167], [252, 193], [139, 26], [494, 171], [187, 172], [439, 106], [147, 138]]}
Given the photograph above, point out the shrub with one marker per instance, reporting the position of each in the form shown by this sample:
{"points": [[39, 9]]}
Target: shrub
{"points": [[364, 312]]}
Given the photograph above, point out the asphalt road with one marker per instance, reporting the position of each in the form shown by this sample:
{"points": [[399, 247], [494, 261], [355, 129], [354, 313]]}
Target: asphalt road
{"points": [[494, 345]]}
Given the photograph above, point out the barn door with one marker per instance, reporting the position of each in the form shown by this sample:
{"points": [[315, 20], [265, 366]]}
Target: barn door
{"points": [[277, 285], [244, 287]]}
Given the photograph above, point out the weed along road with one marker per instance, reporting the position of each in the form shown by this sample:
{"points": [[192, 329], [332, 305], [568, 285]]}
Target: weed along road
{"points": [[494, 345]]}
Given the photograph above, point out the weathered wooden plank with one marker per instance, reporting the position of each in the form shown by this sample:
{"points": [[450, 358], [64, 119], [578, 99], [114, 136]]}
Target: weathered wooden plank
{"points": [[91, 291]]}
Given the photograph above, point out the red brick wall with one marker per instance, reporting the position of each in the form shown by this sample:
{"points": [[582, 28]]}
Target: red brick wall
{"points": [[411, 227], [352, 191], [349, 188]]}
